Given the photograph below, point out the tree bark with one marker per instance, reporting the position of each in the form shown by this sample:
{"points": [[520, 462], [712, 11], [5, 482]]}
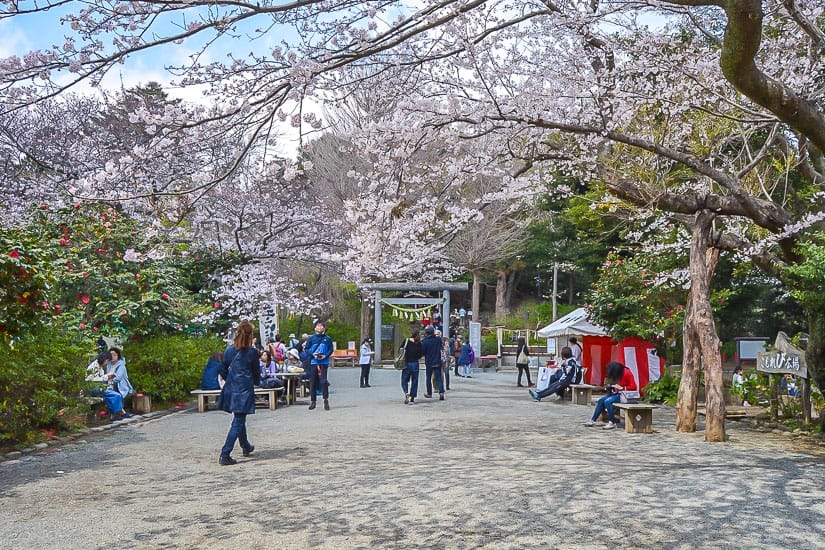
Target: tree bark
{"points": [[508, 294], [815, 351], [571, 285], [701, 341], [501, 294], [366, 318], [475, 303]]}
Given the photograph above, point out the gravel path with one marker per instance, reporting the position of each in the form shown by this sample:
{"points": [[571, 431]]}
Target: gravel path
{"points": [[488, 467]]}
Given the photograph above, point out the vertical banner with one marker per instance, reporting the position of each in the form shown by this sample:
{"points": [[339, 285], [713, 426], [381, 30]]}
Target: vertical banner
{"points": [[475, 340]]}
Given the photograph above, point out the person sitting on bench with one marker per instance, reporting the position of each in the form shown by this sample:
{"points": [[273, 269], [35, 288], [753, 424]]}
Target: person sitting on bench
{"points": [[620, 379], [568, 373]]}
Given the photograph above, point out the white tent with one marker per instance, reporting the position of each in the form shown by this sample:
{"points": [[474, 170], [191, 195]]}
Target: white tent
{"points": [[574, 323]]}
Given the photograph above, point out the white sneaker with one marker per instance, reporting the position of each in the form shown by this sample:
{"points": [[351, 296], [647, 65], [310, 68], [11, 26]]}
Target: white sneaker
{"points": [[589, 423], [609, 426]]}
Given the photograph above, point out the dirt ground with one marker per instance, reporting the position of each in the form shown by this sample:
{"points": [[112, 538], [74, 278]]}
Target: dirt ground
{"points": [[487, 467]]}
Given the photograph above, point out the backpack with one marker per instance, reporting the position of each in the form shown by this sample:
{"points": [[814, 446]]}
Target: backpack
{"points": [[472, 355], [279, 352], [577, 371]]}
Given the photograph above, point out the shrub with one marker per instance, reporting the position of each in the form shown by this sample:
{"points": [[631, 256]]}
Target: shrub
{"points": [[169, 367], [663, 390], [41, 379]]}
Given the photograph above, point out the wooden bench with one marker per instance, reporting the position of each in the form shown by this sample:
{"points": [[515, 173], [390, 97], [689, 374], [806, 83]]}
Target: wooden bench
{"points": [[345, 356], [204, 395], [638, 417], [582, 394]]}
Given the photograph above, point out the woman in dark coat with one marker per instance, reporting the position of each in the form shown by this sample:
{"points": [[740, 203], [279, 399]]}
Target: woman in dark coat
{"points": [[241, 370], [524, 366]]}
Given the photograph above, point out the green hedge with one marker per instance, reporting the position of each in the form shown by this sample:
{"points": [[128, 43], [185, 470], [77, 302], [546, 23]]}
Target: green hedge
{"points": [[169, 367], [41, 378]]}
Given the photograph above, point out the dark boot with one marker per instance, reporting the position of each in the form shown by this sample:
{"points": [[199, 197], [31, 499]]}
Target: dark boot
{"points": [[326, 404], [312, 405]]}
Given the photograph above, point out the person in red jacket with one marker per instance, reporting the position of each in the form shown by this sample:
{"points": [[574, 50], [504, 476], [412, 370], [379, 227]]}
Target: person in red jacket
{"points": [[622, 380]]}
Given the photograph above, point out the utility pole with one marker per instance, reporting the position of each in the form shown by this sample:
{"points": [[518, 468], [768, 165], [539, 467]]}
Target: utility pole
{"points": [[555, 286]]}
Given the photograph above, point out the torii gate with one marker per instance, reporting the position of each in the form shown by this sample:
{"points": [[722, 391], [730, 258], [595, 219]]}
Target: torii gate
{"points": [[444, 301]]}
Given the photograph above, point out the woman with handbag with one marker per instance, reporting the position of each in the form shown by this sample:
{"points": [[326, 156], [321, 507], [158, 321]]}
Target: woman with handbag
{"points": [[523, 362], [616, 392], [241, 370]]}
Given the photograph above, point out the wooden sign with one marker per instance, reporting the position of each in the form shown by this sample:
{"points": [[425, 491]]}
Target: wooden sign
{"points": [[780, 362]]}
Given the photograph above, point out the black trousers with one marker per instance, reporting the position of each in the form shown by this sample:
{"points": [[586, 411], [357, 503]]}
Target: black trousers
{"points": [[521, 369], [365, 375], [318, 380]]}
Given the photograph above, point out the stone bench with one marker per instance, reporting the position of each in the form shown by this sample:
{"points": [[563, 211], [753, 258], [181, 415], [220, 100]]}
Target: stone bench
{"points": [[638, 417], [582, 394], [204, 395]]}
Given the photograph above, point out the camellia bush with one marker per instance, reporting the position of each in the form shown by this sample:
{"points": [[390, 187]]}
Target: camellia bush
{"points": [[111, 279], [25, 279], [41, 379]]}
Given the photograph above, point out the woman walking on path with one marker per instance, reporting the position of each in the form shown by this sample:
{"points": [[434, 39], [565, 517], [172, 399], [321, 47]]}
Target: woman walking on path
{"points": [[622, 381], [409, 376], [523, 362], [241, 370], [365, 359]]}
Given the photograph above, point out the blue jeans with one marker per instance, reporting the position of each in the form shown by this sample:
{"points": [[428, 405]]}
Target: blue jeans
{"points": [[318, 381], [409, 379], [435, 369], [237, 432], [606, 404]]}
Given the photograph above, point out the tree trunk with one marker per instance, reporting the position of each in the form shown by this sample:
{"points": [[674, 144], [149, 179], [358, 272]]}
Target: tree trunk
{"points": [[366, 318], [501, 293], [701, 342], [475, 303], [571, 287], [508, 293], [815, 352]]}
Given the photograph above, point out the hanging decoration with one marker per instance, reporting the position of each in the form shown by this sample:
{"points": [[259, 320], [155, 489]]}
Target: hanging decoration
{"points": [[410, 312]]}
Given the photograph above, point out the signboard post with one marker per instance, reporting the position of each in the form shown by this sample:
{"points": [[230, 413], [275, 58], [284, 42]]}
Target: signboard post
{"points": [[780, 362], [475, 340]]}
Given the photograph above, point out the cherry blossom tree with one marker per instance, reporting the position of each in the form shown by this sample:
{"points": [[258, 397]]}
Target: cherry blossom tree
{"points": [[695, 95]]}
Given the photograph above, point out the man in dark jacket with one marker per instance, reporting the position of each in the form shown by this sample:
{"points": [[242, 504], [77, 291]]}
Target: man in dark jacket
{"points": [[431, 346], [570, 371], [319, 348]]}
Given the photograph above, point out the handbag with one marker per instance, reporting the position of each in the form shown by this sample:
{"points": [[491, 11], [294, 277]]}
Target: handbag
{"points": [[400, 362], [522, 358], [622, 397]]}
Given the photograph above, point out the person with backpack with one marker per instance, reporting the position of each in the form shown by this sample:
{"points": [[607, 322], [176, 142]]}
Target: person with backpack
{"points": [[571, 373], [277, 351]]}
